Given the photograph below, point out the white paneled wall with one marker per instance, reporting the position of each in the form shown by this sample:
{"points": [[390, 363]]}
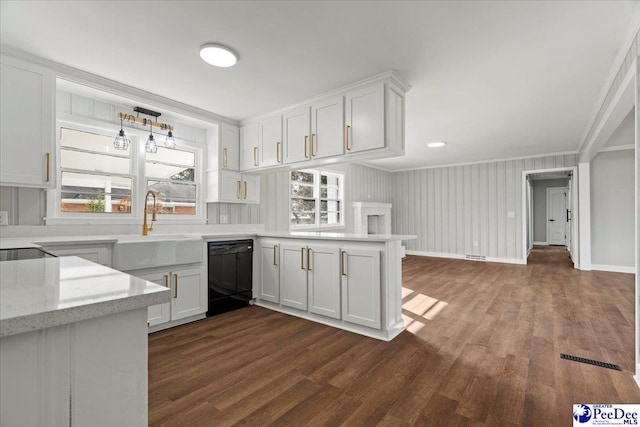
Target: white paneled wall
{"points": [[365, 184], [465, 209]]}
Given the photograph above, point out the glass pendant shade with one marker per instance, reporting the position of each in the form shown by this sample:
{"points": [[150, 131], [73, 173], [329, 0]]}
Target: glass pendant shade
{"points": [[170, 141], [151, 146], [121, 142]]}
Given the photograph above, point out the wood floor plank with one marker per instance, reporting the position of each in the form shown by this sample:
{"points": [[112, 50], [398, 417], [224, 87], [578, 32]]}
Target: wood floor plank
{"points": [[482, 348]]}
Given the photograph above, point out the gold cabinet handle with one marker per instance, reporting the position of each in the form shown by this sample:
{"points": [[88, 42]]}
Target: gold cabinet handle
{"points": [[224, 157], [306, 138], [346, 137], [343, 263], [166, 280], [48, 167], [302, 258], [245, 189], [255, 156], [238, 192], [309, 250], [275, 249], [278, 152], [313, 145], [175, 286]]}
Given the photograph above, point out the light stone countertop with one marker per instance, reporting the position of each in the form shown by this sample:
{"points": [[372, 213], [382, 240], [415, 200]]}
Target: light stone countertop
{"points": [[33, 241], [42, 293]]}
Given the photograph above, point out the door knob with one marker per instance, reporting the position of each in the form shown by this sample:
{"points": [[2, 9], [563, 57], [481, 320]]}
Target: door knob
{"points": [[552, 220]]}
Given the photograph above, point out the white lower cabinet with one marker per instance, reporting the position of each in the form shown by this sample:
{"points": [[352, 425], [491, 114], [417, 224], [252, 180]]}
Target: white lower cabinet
{"points": [[322, 281], [360, 274], [188, 294]]}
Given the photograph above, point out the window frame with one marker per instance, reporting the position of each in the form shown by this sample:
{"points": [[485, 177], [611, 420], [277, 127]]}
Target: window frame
{"points": [[138, 176], [317, 173]]}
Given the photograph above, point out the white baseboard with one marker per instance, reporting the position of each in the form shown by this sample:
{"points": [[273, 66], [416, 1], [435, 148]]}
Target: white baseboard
{"points": [[506, 260], [541, 243], [458, 256], [613, 268], [435, 254]]}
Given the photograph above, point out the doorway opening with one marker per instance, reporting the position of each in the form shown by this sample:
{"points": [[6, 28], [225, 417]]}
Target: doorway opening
{"points": [[550, 212]]}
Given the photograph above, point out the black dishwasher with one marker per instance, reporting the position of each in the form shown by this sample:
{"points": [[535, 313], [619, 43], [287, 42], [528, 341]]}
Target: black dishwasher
{"points": [[230, 275]]}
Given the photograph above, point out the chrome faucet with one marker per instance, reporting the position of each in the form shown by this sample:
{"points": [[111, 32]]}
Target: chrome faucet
{"points": [[147, 228]]}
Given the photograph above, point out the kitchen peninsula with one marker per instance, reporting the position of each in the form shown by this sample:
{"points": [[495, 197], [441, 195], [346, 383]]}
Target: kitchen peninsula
{"points": [[73, 343]]}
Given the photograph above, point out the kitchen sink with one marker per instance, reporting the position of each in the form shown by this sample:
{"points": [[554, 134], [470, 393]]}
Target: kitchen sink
{"points": [[141, 252]]}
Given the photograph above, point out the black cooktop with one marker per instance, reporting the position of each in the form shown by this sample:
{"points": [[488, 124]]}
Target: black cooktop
{"points": [[15, 254]]}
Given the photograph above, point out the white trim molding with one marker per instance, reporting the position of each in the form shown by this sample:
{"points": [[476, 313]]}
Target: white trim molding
{"points": [[458, 256], [613, 268], [617, 148]]}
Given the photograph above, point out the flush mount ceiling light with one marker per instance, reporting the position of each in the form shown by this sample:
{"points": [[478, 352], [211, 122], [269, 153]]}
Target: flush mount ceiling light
{"points": [[436, 144], [218, 55]]}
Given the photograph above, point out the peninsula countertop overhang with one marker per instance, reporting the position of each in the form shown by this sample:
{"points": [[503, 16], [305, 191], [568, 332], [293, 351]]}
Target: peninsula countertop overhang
{"points": [[42, 293]]}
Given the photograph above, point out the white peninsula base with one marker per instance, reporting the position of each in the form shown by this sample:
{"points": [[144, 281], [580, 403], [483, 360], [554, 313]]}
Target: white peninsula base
{"points": [[92, 372]]}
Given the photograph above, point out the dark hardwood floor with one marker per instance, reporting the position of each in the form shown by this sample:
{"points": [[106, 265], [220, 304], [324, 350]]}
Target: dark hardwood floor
{"points": [[482, 347]]}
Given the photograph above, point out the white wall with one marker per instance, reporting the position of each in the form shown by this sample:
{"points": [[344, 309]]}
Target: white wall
{"points": [[540, 206], [450, 208], [613, 209]]}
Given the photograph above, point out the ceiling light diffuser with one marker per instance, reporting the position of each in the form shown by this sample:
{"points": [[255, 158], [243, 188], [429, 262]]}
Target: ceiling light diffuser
{"points": [[218, 55], [436, 144]]}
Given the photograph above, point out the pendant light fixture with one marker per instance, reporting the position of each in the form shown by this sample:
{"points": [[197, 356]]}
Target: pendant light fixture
{"points": [[170, 141], [121, 142], [151, 146]]}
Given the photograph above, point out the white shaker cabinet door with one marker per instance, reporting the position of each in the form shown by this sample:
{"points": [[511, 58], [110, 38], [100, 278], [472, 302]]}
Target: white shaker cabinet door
{"points": [[159, 313], [269, 272], [230, 147], [296, 128], [249, 143], [293, 276], [360, 273], [364, 118], [271, 141], [327, 124], [324, 280], [189, 292], [27, 117], [231, 186], [251, 188]]}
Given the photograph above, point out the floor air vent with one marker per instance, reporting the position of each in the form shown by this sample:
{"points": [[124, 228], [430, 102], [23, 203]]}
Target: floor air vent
{"points": [[475, 257], [590, 362]]}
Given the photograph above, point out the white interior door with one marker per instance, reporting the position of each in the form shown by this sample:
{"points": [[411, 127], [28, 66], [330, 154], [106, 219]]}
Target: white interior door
{"points": [[556, 215]]}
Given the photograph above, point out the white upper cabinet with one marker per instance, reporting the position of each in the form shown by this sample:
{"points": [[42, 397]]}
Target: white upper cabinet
{"points": [[364, 121], [230, 147], [27, 131], [364, 118], [297, 133], [250, 188], [249, 147], [271, 141], [327, 125]]}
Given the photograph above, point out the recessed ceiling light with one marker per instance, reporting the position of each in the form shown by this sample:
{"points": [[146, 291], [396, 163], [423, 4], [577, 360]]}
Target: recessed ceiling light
{"points": [[217, 55], [436, 144]]}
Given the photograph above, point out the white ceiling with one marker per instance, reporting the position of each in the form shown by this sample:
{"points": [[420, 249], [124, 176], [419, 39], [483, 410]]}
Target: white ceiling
{"points": [[495, 79]]}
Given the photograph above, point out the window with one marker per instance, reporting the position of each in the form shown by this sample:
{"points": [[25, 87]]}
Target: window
{"points": [[94, 176], [316, 199], [171, 174], [98, 182]]}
